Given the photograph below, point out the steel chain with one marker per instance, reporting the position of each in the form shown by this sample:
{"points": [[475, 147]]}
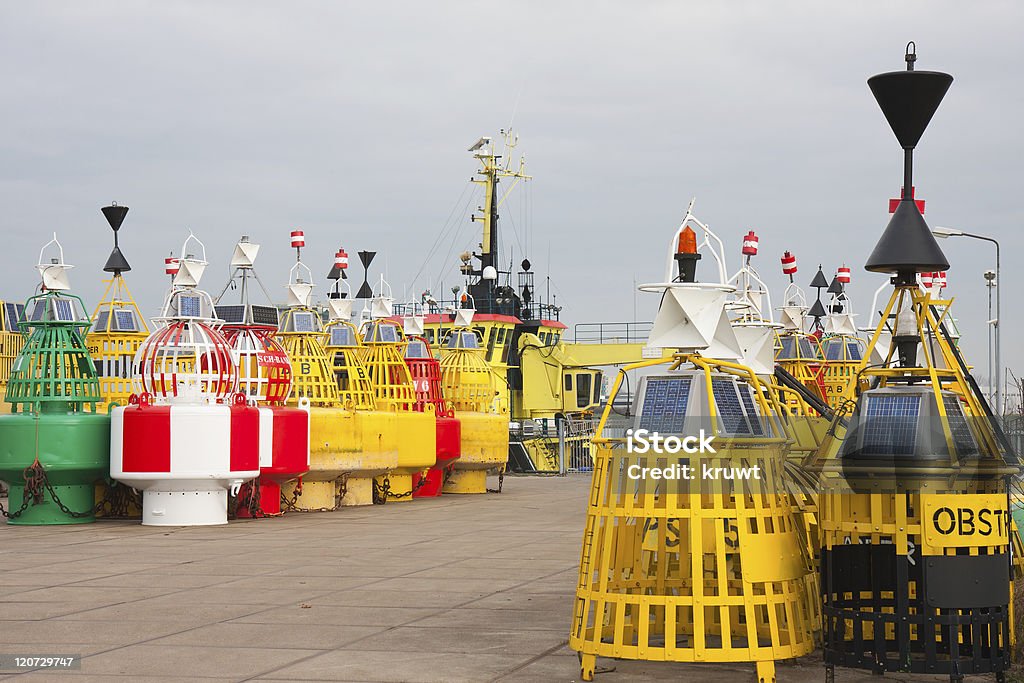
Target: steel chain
{"points": [[290, 505], [341, 489], [248, 498], [118, 500], [420, 484], [56, 499], [381, 491], [501, 481]]}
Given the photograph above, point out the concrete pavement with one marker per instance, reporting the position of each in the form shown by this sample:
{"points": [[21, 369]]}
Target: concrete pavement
{"points": [[460, 588]]}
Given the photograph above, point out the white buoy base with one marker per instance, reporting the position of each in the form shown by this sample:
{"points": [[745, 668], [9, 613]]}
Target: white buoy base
{"points": [[185, 508]]}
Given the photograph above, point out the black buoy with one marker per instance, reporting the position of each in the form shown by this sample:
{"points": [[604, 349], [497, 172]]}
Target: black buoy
{"points": [[365, 291], [909, 100], [819, 281], [116, 262]]}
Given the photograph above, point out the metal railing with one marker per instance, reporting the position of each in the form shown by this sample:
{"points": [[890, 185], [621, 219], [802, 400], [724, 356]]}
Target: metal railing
{"points": [[612, 333], [575, 450]]}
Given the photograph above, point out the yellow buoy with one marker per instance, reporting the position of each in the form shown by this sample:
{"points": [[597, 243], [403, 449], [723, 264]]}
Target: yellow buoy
{"points": [[468, 382], [118, 329], [372, 434], [343, 450], [691, 550], [393, 389], [11, 341]]}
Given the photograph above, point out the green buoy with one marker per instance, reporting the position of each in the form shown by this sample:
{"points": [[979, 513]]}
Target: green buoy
{"points": [[53, 445]]}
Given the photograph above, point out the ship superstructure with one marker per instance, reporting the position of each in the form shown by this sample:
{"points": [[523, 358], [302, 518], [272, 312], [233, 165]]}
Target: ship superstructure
{"points": [[544, 380]]}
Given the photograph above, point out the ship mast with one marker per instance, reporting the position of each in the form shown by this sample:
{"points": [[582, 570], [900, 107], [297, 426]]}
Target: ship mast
{"points": [[493, 167]]}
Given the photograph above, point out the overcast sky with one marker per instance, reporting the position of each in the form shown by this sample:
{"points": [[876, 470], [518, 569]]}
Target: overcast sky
{"points": [[351, 120]]}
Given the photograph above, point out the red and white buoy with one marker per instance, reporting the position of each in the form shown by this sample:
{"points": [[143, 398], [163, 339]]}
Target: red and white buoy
{"points": [[843, 274], [788, 264], [187, 435], [750, 244], [171, 266]]}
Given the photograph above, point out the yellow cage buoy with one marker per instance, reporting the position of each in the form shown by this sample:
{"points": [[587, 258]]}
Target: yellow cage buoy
{"points": [[469, 383], [372, 434], [388, 374], [345, 450], [705, 563]]}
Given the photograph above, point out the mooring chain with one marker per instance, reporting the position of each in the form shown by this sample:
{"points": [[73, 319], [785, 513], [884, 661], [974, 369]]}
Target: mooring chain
{"points": [[341, 490], [501, 481], [448, 472], [290, 505], [56, 499], [420, 484], [339, 493], [381, 491], [249, 500]]}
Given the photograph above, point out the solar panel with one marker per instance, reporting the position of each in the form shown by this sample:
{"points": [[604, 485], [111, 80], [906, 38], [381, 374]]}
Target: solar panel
{"points": [[303, 322], [890, 426], [14, 313], [747, 397], [664, 404], [64, 310], [264, 315], [231, 314], [188, 306], [39, 310], [342, 336], [786, 352], [853, 350], [834, 351], [416, 349], [125, 321], [101, 321], [388, 333], [734, 421], [807, 350], [963, 439]]}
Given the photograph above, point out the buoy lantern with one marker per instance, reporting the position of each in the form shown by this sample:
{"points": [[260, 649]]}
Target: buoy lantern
{"points": [[187, 436]]}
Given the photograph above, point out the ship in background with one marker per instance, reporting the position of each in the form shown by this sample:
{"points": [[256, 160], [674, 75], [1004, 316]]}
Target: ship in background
{"points": [[550, 385]]}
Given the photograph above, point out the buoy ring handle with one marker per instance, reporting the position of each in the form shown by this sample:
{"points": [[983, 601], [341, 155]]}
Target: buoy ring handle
{"points": [[143, 400]]}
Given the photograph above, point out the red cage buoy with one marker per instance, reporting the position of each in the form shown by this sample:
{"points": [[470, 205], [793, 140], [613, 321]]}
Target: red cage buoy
{"points": [[426, 378], [265, 379]]}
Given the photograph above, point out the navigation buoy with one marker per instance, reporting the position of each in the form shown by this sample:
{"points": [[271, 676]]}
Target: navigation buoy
{"points": [[470, 384], [264, 378], [187, 436], [54, 445], [426, 381], [393, 387]]}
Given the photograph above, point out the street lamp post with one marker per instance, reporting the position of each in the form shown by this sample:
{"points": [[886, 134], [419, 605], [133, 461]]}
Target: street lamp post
{"points": [[951, 232]]}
